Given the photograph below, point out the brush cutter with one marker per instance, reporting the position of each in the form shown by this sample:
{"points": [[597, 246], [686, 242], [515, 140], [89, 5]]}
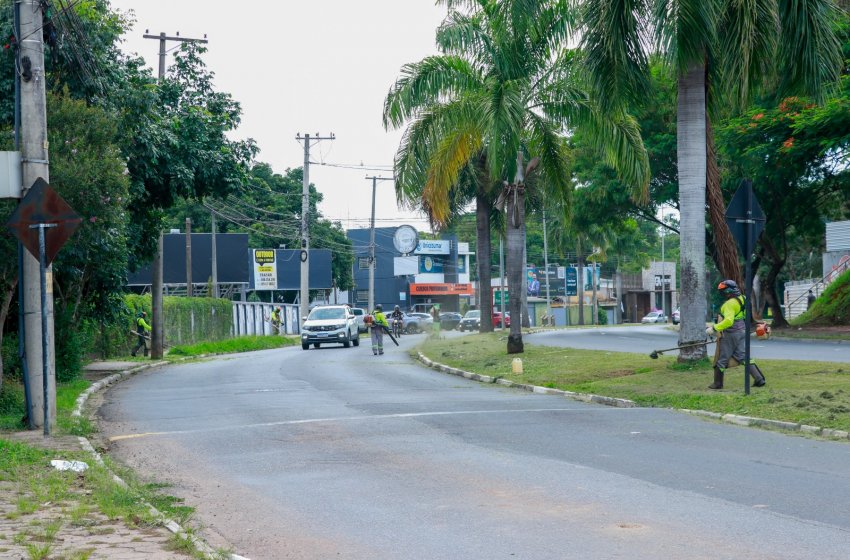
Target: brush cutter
{"points": [[656, 353]]}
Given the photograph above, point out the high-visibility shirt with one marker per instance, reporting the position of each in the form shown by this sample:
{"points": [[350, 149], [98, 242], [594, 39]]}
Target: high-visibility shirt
{"points": [[733, 313]]}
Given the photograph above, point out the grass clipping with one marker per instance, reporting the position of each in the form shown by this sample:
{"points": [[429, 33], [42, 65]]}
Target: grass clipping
{"points": [[813, 393]]}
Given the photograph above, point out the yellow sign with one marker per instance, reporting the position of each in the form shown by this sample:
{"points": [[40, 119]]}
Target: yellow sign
{"points": [[265, 269]]}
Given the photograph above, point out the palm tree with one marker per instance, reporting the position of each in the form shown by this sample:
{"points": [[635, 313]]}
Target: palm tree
{"points": [[505, 83], [722, 50]]}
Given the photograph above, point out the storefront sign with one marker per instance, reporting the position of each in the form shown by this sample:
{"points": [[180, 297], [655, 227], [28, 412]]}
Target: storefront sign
{"points": [[441, 289], [433, 247]]}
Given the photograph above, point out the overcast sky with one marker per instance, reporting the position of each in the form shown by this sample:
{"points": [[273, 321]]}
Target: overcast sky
{"points": [[310, 66]]}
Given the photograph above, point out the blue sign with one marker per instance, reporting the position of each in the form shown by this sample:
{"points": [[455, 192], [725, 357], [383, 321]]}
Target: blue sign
{"points": [[572, 281], [436, 265]]}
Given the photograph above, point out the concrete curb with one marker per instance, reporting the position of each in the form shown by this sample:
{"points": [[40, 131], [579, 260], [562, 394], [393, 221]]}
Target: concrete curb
{"points": [[749, 421], [752, 421], [168, 523], [584, 397]]}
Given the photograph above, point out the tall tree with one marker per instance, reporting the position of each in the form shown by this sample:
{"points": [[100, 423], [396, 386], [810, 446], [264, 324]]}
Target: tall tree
{"points": [[790, 43], [504, 84]]}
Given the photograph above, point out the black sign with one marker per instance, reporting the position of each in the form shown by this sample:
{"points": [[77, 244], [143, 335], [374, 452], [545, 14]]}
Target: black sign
{"points": [[745, 213], [572, 281], [43, 205]]}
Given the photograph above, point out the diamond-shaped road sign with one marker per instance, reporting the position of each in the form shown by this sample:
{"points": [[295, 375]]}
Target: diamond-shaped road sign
{"points": [[43, 205], [744, 211]]}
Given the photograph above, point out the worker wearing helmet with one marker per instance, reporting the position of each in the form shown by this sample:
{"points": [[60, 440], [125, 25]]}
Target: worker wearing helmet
{"points": [[377, 328], [731, 333]]}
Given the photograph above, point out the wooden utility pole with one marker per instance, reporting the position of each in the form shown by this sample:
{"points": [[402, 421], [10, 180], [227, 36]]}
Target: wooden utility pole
{"points": [[157, 338], [305, 222], [35, 164]]}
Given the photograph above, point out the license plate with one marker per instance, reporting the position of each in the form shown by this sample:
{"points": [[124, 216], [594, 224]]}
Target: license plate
{"points": [[323, 335]]}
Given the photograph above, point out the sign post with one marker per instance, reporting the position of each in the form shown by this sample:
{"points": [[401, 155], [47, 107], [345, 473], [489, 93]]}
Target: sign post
{"points": [[44, 210], [746, 222], [45, 332]]}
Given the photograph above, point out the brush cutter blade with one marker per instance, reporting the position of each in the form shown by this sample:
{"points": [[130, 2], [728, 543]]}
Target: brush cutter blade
{"points": [[654, 355]]}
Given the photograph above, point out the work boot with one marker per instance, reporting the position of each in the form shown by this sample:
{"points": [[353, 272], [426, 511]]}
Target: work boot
{"points": [[718, 379], [757, 375]]}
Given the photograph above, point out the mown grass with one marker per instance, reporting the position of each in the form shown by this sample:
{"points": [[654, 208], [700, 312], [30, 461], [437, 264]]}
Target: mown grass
{"points": [[232, 345], [814, 393]]}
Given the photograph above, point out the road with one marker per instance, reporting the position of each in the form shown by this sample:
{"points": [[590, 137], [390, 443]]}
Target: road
{"points": [[646, 338], [337, 453]]}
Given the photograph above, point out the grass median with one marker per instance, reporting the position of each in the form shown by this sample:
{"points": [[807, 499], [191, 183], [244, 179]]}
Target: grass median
{"points": [[813, 393]]}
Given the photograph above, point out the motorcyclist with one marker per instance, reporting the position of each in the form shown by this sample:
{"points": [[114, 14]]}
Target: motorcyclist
{"points": [[397, 315]]}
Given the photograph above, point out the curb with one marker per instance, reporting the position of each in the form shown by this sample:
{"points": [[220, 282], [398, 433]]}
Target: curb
{"points": [[584, 397], [169, 524], [749, 421], [752, 421]]}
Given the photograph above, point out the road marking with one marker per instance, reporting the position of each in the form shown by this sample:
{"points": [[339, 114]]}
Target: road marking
{"points": [[367, 417]]}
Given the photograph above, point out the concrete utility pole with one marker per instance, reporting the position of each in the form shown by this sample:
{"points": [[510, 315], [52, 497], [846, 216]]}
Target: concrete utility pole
{"points": [[372, 243], [546, 264], [157, 338], [216, 293], [35, 164], [305, 221], [189, 290]]}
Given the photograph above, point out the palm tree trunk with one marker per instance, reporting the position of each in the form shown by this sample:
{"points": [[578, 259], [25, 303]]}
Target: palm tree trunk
{"points": [[515, 266], [594, 301], [725, 249], [485, 291], [691, 153]]}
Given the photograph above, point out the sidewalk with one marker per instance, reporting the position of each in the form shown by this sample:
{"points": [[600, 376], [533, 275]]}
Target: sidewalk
{"points": [[64, 529]]}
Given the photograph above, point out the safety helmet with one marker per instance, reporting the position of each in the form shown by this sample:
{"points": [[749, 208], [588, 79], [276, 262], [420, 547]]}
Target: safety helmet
{"points": [[378, 307], [729, 288], [397, 308]]}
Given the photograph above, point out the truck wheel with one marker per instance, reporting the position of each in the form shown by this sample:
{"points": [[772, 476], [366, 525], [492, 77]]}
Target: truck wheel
{"points": [[305, 346]]}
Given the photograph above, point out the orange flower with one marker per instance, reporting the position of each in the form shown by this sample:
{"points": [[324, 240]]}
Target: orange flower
{"points": [[788, 144], [758, 117]]}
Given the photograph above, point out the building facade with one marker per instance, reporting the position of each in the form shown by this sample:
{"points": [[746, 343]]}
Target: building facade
{"points": [[436, 273]]}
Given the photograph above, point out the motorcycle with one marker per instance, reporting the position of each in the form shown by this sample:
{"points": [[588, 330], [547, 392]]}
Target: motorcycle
{"points": [[398, 327]]}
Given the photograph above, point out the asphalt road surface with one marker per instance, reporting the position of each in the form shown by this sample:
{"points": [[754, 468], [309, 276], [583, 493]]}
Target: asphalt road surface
{"points": [[646, 338], [335, 453]]}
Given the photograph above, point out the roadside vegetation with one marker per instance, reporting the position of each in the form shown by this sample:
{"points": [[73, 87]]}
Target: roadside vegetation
{"points": [[813, 393], [232, 345]]}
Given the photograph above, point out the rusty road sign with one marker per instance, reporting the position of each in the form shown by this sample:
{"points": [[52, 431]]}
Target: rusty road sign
{"points": [[43, 205]]}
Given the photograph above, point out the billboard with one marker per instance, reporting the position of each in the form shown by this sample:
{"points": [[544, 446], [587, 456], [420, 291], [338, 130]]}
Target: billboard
{"points": [[264, 264], [433, 247], [288, 263], [437, 265]]}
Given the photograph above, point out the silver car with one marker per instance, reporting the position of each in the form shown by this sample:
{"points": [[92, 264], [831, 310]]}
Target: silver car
{"points": [[330, 324]]}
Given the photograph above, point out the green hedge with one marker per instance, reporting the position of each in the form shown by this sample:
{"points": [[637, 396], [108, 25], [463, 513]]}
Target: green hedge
{"points": [[187, 320]]}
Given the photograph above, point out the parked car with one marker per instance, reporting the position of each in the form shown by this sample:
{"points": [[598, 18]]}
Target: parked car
{"points": [[450, 320], [676, 316], [654, 317], [359, 316], [471, 321], [330, 324], [417, 322], [497, 319]]}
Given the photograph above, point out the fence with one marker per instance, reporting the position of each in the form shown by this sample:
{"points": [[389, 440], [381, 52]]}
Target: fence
{"points": [[255, 318]]}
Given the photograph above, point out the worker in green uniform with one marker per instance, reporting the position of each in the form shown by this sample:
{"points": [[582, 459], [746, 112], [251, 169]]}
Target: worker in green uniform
{"points": [[379, 323], [142, 328], [732, 336]]}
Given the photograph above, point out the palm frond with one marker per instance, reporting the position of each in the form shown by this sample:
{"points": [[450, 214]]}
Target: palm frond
{"points": [[809, 51], [426, 82], [451, 157], [686, 30], [747, 47], [615, 50]]}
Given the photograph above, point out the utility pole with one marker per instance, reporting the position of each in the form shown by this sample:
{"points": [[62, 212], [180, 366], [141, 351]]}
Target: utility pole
{"points": [[663, 269], [189, 290], [157, 323], [35, 164], [305, 222], [375, 180], [546, 264], [216, 294]]}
